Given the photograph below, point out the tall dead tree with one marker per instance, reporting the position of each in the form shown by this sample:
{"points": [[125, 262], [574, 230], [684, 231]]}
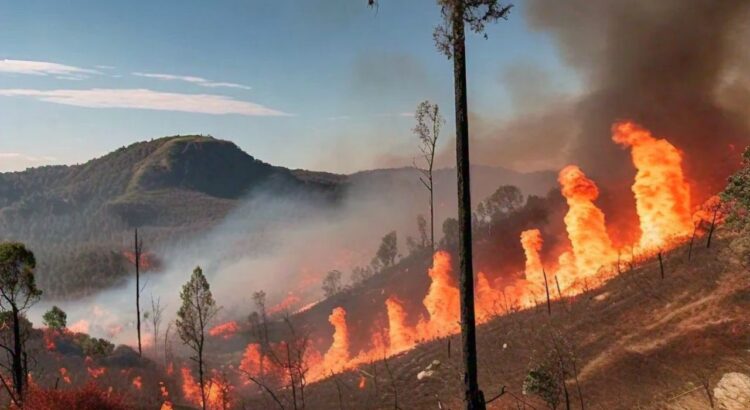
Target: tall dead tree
{"points": [[429, 121], [137, 249], [450, 39]]}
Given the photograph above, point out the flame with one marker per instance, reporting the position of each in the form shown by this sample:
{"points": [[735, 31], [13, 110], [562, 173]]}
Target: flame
{"points": [[49, 339], [190, 388], [662, 195], [442, 301], [531, 241], [487, 298], [401, 337], [566, 269], [216, 389], [592, 247], [338, 354], [251, 362], [81, 326], [148, 260], [96, 372], [285, 304], [362, 382], [65, 375], [138, 382], [224, 330]]}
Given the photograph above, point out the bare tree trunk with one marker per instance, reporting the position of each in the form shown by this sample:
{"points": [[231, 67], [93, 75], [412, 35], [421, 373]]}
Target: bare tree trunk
{"points": [[546, 289], [692, 238], [18, 376], [713, 226], [473, 396], [661, 266], [557, 283], [200, 375], [432, 214], [137, 257]]}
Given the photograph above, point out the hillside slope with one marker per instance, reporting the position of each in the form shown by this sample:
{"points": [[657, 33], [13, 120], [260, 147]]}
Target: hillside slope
{"points": [[639, 341], [79, 219]]}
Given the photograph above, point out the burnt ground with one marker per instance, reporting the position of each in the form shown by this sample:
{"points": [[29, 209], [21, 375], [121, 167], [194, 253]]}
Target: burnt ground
{"points": [[638, 341]]}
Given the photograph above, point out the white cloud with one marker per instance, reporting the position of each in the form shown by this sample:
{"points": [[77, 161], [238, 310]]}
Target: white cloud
{"points": [[191, 79], [147, 100], [14, 161], [43, 68]]}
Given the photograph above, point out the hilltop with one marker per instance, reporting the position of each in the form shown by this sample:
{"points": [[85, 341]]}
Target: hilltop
{"points": [[79, 219]]}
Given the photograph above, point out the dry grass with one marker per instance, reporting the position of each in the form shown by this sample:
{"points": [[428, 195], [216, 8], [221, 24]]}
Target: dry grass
{"points": [[639, 342]]}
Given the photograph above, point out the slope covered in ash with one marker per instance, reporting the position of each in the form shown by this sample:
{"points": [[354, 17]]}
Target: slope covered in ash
{"points": [[638, 341]]}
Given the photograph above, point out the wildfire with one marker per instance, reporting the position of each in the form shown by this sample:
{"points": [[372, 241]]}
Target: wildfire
{"points": [[592, 247], [400, 336], [138, 382], [216, 390], [362, 382], [163, 391], [531, 241], [487, 298], [49, 339], [442, 300], [287, 303], [662, 195], [65, 375], [96, 372], [224, 330], [252, 360], [338, 354]]}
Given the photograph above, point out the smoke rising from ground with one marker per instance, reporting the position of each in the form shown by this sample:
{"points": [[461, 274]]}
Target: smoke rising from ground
{"points": [[660, 64], [283, 240]]}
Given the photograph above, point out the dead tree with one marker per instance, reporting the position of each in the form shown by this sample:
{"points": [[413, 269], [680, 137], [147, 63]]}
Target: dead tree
{"points": [[137, 249], [713, 224], [661, 266], [692, 237], [155, 317], [546, 289], [450, 39], [429, 122]]}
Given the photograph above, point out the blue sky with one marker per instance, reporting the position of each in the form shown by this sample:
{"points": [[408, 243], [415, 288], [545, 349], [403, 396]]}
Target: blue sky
{"points": [[318, 84]]}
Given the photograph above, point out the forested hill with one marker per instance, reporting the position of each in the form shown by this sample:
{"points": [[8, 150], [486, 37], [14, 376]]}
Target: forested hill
{"points": [[79, 219]]}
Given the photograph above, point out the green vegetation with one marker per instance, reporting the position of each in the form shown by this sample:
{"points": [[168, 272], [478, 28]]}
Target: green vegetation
{"points": [[55, 318], [172, 187], [193, 318]]}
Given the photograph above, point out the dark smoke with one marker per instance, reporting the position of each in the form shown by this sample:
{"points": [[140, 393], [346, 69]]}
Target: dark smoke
{"points": [[663, 64]]}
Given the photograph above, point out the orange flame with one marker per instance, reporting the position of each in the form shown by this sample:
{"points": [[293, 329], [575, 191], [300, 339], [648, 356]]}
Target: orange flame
{"points": [[531, 241], [224, 330], [442, 300], [216, 389], [362, 382], [487, 298], [592, 247], [662, 196], [65, 375], [251, 360], [138, 382], [338, 354], [401, 337]]}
